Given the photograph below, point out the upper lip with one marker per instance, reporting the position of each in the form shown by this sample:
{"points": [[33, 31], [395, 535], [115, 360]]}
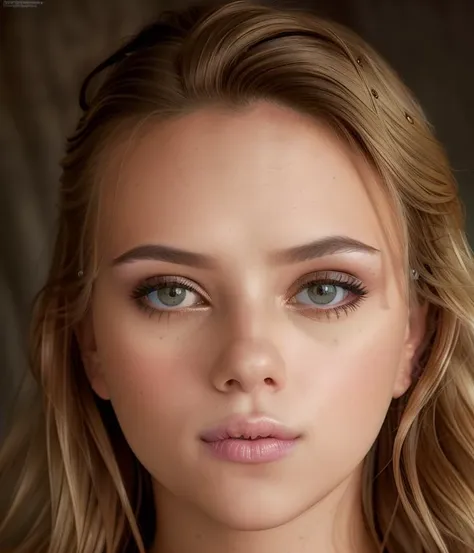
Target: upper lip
{"points": [[251, 428]]}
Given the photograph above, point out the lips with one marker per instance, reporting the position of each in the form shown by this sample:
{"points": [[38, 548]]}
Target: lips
{"points": [[250, 440], [249, 428]]}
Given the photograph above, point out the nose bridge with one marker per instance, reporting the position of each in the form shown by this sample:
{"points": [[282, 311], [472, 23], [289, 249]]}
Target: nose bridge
{"points": [[248, 313], [249, 355]]}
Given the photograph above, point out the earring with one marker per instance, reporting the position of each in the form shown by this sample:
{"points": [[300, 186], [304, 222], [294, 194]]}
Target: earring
{"points": [[414, 274]]}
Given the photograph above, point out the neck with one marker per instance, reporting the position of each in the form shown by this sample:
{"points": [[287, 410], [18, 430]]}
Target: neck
{"points": [[334, 525]]}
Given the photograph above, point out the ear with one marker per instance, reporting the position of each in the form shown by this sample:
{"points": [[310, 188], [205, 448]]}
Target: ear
{"points": [[416, 330], [90, 357]]}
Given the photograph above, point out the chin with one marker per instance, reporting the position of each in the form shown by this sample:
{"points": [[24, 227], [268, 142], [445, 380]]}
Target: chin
{"points": [[254, 522], [250, 511]]}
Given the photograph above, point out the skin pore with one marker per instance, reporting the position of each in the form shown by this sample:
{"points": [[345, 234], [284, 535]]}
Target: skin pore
{"points": [[320, 344]]}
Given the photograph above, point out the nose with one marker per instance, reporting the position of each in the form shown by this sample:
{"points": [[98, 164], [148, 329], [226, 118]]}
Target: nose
{"points": [[248, 364]]}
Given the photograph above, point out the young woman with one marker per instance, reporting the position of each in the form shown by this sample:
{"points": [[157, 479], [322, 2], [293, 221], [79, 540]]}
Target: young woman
{"points": [[258, 329]]}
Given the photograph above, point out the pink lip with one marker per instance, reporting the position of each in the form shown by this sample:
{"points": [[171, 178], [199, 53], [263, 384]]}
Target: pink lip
{"points": [[250, 440]]}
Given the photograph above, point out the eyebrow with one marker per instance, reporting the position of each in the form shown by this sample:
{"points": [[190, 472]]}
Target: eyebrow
{"points": [[160, 252], [329, 245]]}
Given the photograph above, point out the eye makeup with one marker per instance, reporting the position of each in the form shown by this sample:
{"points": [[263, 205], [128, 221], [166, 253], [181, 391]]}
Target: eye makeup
{"points": [[171, 296]]}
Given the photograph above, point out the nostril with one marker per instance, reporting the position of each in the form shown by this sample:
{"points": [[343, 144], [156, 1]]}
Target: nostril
{"points": [[269, 381]]}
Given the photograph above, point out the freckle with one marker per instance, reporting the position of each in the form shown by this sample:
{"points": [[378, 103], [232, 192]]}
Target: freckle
{"points": [[335, 341]]}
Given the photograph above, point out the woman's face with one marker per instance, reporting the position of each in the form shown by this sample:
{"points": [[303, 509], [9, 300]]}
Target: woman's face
{"points": [[282, 300]]}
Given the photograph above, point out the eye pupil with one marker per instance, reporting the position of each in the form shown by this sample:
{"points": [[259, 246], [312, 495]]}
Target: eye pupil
{"points": [[322, 293], [171, 296]]}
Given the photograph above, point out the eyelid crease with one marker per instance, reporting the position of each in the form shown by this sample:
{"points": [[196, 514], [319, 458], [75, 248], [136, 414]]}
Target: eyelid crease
{"points": [[320, 276], [158, 282], [336, 278]]}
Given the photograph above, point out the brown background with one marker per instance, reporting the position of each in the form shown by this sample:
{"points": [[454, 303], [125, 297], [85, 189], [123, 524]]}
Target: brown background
{"points": [[46, 50]]}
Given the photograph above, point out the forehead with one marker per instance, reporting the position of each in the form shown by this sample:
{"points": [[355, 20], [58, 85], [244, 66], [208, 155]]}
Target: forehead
{"points": [[218, 180]]}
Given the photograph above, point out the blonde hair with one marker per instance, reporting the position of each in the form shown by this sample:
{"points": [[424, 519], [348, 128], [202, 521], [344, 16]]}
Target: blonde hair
{"points": [[70, 482]]}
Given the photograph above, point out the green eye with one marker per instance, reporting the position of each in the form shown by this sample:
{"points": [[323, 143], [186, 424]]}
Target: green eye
{"points": [[168, 296], [321, 294]]}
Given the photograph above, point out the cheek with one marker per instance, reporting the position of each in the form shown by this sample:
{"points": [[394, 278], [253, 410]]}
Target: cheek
{"points": [[348, 387], [151, 373]]}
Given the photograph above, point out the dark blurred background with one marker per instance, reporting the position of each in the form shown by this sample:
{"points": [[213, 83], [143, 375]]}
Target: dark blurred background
{"points": [[47, 47]]}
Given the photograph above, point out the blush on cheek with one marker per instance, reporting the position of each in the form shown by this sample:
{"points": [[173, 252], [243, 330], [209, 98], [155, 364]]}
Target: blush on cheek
{"points": [[153, 384], [150, 399], [354, 390], [148, 377]]}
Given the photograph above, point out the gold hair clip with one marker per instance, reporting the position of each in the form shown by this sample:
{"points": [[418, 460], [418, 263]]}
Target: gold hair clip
{"points": [[376, 95]]}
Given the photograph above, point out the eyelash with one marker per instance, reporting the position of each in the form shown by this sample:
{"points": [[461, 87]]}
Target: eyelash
{"points": [[348, 283]]}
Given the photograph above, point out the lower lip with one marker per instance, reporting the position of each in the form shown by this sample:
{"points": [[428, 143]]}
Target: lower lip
{"points": [[265, 450]]}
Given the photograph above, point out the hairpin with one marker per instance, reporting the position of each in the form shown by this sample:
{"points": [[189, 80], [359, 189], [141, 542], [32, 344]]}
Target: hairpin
{"points": [[80, 273], [375, 93]]}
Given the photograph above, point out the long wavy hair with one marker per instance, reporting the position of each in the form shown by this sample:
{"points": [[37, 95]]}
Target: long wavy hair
{"points": [[69, 481]]}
